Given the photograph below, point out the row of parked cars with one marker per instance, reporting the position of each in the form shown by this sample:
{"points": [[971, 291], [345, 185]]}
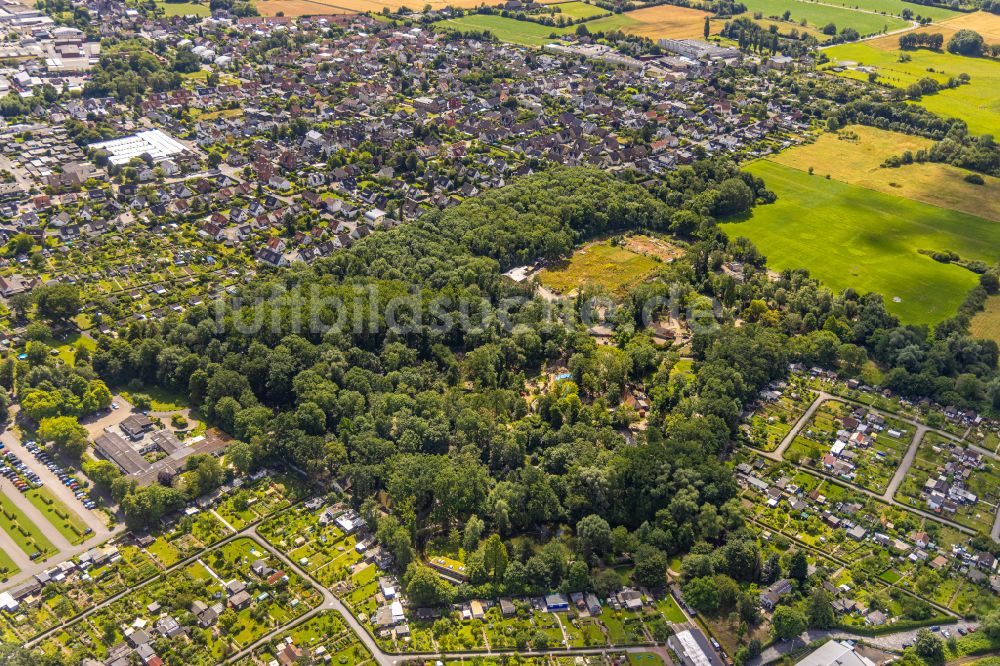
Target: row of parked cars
{"points": [[22, 476], [60, 473]]}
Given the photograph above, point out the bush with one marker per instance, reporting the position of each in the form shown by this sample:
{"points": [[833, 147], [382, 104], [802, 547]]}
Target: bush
{"points": [[974, 178]]}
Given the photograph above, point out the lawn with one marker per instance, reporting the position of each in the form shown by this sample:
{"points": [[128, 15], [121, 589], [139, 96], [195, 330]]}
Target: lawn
{"points": [[977, 103], [160, 399], [612, 267], [855, 154], [819, 15], [526, 33], [659, 22], [69, 524], [25, 533], [7, 566], [852, 237], [986, 324]]}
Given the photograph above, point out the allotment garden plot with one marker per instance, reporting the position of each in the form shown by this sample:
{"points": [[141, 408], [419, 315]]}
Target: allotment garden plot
{"points": [[953, 481], [261, 498], [314, 542], [323, 638], [777, 415], [853, 443], [866, 546], [102, 572], [201, 597]]}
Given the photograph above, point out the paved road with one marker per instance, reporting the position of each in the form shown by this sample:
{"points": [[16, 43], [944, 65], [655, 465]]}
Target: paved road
{"points": [[793, 433], [904, 466], [383, 658]]}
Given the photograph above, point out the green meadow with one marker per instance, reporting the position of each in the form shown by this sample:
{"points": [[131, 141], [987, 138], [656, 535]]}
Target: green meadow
{"points": [[818, 15], [849, 236], [184, 8], [977, 103], [526, 33], [896, 7], [579, 10]]}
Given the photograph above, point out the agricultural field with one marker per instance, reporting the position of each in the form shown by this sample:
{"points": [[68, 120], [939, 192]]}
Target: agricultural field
{"points": [[307, 7], [876, 237], [818, 15], [985, 23], [870, 463], [977, 103], [896, 7], [612, 266], [319, 7], [659, 22], [184, 8], [855, 154], [940, 460], [525, 33], [577, 10], [774, 420]]}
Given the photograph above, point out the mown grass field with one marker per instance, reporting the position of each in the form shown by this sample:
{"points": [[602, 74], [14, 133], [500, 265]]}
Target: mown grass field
{"points": [[986, 324], [64, 519], [977, 103], [896, 7], [184, 8], [526, 33], [578, 10], [818, 15], [25, 533], [601, 263], [850, 236], [660, 22], [858, 161]]}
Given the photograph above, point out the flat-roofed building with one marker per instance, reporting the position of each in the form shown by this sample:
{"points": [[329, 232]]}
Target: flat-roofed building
{"points": [[155, 143], [114, 447]]}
